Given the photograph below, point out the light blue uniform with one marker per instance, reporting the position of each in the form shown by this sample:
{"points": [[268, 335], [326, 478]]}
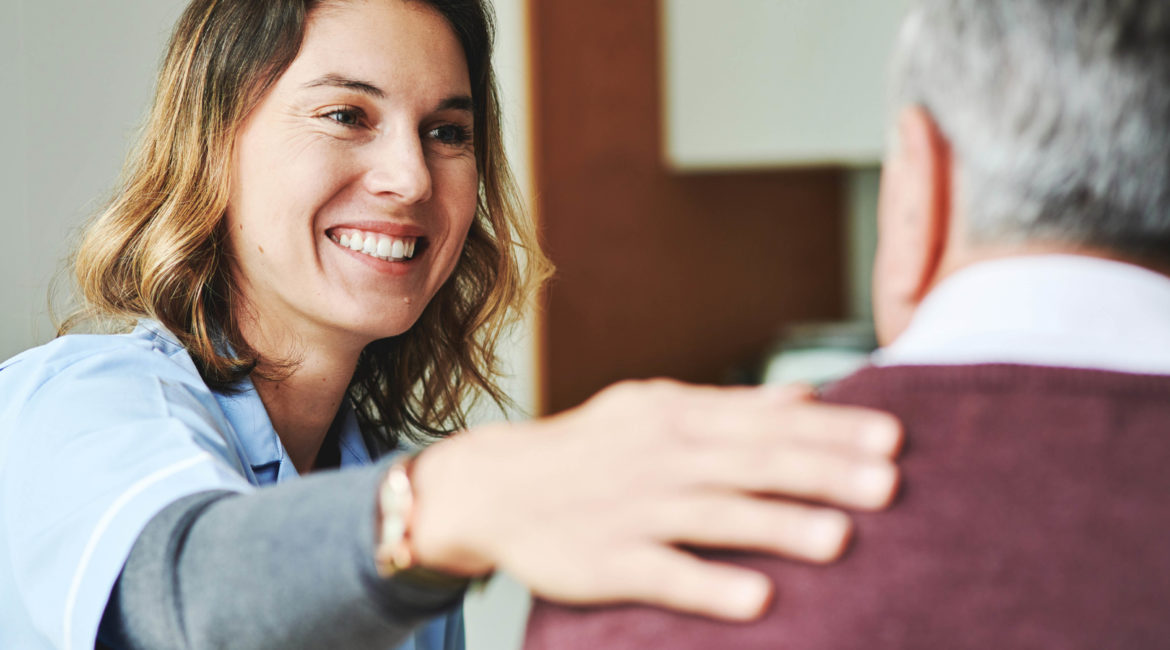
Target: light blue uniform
{"points": [[97, 434]]}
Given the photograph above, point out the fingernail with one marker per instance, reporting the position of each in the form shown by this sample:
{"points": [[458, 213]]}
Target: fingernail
{"points": [[875, 484], [748, 595], [827, 534], [880, 437]]}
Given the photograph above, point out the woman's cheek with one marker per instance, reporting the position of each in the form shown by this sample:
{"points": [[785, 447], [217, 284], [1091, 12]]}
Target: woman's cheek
{"points": [[469, 185]]}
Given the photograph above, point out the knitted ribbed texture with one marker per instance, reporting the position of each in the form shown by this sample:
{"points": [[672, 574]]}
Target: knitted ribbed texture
{"points": [[1034, 513]]}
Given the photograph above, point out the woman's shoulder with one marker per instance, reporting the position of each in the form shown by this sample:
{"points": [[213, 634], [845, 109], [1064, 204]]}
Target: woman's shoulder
{"points": [[148, 352], [133, 392]]}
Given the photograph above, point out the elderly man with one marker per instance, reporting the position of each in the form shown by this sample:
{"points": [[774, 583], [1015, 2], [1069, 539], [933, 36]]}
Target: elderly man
{"points": [[1022, 295]]}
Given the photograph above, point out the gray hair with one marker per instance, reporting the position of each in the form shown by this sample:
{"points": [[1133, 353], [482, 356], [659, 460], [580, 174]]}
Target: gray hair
{"points": [[1058, 112]]}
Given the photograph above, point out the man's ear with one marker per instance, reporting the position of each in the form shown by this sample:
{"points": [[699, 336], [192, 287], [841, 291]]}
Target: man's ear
{"points": [[914, 220]]}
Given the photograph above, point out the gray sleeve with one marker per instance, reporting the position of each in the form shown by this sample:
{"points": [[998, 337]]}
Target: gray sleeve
{"points": [[285, 567]]}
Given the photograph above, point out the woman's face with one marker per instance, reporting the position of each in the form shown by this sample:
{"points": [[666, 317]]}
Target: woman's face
{"points": [[354, 180]]}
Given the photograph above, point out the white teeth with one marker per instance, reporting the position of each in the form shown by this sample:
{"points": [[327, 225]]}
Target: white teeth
{"points": [[380, 246], [385, 245]]}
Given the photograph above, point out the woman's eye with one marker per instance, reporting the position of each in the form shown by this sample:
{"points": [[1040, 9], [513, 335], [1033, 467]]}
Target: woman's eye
{"points": [[344, 116], [451, 134]]}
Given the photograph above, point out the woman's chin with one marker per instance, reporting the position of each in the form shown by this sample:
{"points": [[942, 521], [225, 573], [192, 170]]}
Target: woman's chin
{"points": [[385, 329]]}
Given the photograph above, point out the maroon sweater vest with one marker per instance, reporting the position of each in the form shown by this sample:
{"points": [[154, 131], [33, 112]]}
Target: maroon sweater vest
{"points": [[1034, 513]]}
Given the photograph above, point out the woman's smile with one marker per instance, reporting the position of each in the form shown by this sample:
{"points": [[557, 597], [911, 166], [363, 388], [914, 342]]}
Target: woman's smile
{"points": [[390, 249]]}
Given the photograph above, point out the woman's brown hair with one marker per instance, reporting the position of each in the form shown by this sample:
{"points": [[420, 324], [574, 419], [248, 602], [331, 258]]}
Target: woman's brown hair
{"points": [[158, 249]]}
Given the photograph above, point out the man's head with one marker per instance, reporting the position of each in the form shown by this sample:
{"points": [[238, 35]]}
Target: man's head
{"points": [[1023, 126]]}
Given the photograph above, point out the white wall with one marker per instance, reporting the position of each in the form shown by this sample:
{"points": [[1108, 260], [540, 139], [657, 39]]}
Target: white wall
{"points": [[77, 77], [13, 178], [767, 83]]}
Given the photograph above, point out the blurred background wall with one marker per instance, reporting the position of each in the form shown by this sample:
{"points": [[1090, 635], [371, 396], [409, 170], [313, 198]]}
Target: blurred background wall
{"points": [[678, 256], [76, 79], [706, 176]]}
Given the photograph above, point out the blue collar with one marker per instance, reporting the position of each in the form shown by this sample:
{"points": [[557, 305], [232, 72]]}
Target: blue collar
{"points": [[256, 441], [261, 444]]}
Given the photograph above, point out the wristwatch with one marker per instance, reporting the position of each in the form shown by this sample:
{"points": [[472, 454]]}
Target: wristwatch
{"points": [[393, 556], [392, 552]]}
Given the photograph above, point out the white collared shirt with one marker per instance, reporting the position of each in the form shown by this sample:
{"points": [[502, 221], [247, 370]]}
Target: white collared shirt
{"points": [[1053, 310]]}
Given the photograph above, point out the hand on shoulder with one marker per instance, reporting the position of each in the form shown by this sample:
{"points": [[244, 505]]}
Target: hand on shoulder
{"points": [[591, 506]]}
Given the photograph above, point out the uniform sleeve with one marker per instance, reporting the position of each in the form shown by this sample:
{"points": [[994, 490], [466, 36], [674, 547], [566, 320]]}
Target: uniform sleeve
{"points": [[289, 567], [95, 443]]}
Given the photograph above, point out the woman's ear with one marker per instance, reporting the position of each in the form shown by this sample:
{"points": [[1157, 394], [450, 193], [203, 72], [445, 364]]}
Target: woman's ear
{"points": [[914, 219]]}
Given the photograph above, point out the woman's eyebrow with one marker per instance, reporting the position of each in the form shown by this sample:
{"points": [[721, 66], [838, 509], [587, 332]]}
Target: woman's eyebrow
{"points": [[339, 81], [457, 103]]}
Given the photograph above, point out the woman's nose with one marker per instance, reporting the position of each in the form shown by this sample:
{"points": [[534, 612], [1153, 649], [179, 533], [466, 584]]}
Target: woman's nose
{"points": [[399, 170]]}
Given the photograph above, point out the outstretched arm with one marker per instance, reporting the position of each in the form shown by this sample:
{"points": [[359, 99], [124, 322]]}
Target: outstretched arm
{"points": [[288, 567]]}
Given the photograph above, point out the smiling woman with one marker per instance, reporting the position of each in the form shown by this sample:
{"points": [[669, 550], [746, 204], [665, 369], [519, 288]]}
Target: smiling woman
{"points": [[278, 144], [311, 258], [367, 135]]}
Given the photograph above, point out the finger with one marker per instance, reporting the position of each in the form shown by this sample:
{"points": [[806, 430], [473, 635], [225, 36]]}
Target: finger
{"points": [[788, 393], [808, 473], [861, 430], [717, 413], [736, 521], [673, 579], [848, 428]]}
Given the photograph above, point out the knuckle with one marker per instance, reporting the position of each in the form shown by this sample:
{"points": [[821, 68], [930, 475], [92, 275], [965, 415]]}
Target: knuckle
{"points": [[614, 391], [661, 391], [785, 463], [639, 392], [666, 421], [694, 465]]}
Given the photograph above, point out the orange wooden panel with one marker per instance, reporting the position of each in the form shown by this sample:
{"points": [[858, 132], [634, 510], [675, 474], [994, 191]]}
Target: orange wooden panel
{"points": [[659, 274]]}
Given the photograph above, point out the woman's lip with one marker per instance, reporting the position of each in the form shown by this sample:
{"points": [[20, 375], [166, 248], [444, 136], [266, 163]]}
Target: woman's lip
{"points": [[389, 229]]}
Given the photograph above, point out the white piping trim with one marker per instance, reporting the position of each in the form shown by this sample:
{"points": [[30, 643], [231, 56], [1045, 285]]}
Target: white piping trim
{"points": [[104, 523]]}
